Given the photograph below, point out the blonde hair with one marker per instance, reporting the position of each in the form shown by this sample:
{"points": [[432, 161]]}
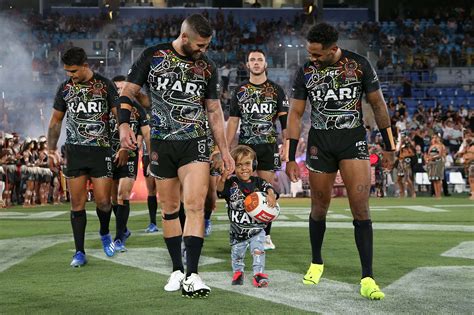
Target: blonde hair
{"points": [[242, 150]]}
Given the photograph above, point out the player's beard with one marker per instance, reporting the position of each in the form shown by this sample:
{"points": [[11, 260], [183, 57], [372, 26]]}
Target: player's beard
{"points": [[193, 54]]}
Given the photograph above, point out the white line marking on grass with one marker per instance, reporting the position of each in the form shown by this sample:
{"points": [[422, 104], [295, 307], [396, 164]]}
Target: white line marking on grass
{"points": [[329, 216], [454, 206], [152, 259], [14, 251], [32, 215], [386, 226], [412, 207], [416, 292], [463, 250]]}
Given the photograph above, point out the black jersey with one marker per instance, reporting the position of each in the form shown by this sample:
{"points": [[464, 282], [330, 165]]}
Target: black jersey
{"points": [[335, 92], [88, 107], [242, 226], [258, 107], [138, 119], [179, 87]]}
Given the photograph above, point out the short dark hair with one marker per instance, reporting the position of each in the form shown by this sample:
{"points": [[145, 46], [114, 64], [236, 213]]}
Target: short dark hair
{"points": [[323, 34], [74, 56], [256, 50], [200, 25], [119, 78]]}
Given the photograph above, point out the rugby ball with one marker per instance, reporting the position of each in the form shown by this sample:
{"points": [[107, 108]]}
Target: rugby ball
{"points": [[256, 206]]}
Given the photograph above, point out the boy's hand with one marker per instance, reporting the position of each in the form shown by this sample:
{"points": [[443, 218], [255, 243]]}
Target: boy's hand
{"points": [[271, 199]]}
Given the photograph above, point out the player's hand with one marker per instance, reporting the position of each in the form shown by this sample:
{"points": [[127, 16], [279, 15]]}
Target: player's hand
{"points": [[388, 159], [121, 157], [271, 199], [217, 162], [293, 171], [127, 137], [54, 159], [229, 163]]}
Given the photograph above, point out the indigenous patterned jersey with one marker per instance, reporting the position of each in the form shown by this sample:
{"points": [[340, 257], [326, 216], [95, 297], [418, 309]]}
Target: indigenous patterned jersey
{"points": [[178, 87], [242, 226], [335, 92], [88, 106], [258, 107], [138, 119]]}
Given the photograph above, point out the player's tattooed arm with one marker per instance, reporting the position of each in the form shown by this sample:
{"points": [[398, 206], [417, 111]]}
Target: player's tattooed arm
{"points": [[127, 136], [54, 129], [216, 122], [376, 101]]}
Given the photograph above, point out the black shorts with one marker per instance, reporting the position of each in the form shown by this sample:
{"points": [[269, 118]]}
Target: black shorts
{"points": [[88, 160], [145, 162], [129, 170], [167, 156], [326, 148], [268, 158]]}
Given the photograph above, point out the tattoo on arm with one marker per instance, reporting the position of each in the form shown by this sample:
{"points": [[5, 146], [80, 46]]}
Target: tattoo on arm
{"points": [[382, 118], [54, 131]]}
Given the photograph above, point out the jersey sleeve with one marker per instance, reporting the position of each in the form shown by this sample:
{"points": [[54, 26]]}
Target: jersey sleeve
{"points": [[112, 95], [225, 193], [234, 110], [138, 74], [370, 80], [212, 90], [264, 186], [282, 101], [299, 90], [59, 102]]}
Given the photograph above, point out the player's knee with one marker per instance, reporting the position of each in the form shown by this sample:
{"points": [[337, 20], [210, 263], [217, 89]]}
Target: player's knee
{"points": [[124, 195], [361, 214], [194, 204], [103, 205], [169, 206], [170, 215], [257, 252]]}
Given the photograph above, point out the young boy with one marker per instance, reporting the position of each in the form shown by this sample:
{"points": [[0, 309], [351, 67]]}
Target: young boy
{"points": [[244, 230]]}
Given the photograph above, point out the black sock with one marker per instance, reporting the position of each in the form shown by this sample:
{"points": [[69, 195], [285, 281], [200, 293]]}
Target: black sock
{"points": [[114, 209], [268, 228], [174, 249], [207, 214], [123, 211], [316, 235], [193, 252], [104, 219], [152, 207], [364, 240], [78, 223], [182, 215]]}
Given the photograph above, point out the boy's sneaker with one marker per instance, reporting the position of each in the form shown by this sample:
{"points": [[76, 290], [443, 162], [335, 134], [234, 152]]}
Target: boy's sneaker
{"points": [[108, 245], [268, 243], [260, 280], [152, 228], [78, 260], [313, 274], [238, 278], [207, 227], [174, 281], [194, 287], [370, 290], [119, 246]]}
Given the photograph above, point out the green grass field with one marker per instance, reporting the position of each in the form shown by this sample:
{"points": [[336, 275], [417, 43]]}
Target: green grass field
{"points": [[410, 236]]}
